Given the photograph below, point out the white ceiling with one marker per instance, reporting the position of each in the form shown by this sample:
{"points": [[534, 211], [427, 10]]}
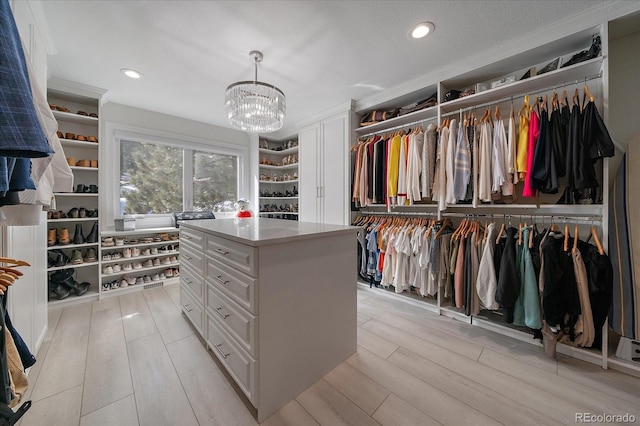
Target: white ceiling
{"points": [[320, 53]]}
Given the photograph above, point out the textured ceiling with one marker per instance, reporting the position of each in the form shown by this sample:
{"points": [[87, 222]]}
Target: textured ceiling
{"points": [[320, 53]]}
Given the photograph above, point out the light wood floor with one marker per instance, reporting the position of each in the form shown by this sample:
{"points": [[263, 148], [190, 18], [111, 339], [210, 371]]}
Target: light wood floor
{"points": [[133, 360]]}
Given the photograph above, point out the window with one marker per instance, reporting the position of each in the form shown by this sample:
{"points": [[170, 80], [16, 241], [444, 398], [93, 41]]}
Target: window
{"points": [[161, 179]]}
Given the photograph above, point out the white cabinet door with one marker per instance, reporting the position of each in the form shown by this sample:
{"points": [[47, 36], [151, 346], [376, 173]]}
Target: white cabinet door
{"points": [[335, 143], [308, 174]]}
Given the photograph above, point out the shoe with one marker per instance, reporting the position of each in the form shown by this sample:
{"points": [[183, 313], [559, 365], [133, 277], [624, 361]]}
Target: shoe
{"points": [[145, 252], [137, 265], [116, 268], [114, 285], [82, 212], [164, 237], [119, 241], [92, 213], [168, 273], [131, 280], [157, 239], [124, 283], [127, 267], [147, 279], [91, 255], [83, 163], [166, 261], [106, 286], [162, 276], [139, 280], [107, 242], [154, 250], [93, 235], [106, 256], [80, 188], [76, 257], [73, 213], [107, 270], [156, 262], [65, 277], [61, 259], [176, 272], [146, 240], [173, 259], [51, 237], [135, 252], [63, 236], [78, 238], [93, 189], [155, 277], [148, 263], [116, 255], [173, 237], [126, 252], [59, 290], [163, 250]]}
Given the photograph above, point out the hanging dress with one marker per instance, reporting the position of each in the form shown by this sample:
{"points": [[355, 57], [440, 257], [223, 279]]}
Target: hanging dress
{"points": [[402, 172], [534, 130], [523, 139], [486, 284], [500, 164], [393, 161], [484, 163], [429, 160], [450, 161]]}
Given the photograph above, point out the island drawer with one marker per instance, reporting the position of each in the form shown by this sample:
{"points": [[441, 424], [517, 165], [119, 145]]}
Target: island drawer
{"points": [[234, 254], [236, 285]]}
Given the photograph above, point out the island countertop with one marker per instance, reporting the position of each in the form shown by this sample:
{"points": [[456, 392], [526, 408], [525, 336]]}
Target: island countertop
{"points": [[262, 231]]}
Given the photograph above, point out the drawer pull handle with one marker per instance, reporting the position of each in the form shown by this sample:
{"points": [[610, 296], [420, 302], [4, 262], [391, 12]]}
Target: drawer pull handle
{"points": [[224, 356], [222, 252], [186, 237], [187, 257], [219, 311], [187, 308], [220, 280], [188, 281]]}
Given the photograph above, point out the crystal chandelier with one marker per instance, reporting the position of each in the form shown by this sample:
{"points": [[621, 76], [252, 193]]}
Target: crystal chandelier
{"points": [[254, 106]]}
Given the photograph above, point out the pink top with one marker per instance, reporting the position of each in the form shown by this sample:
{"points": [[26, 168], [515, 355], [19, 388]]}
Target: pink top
{"points": [[534, 131]]}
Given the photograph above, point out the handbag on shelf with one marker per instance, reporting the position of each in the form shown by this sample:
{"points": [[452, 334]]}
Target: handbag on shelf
{"points": [[377, 116]]}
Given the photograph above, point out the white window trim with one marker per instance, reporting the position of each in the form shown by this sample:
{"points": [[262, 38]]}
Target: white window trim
{"points": [[109, 182]]}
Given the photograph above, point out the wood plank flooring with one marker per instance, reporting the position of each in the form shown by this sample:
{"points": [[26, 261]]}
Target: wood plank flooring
{"points": [[133, 360]]}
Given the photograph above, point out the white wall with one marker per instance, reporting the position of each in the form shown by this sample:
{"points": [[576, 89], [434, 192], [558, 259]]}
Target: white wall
{"points": [[117, 119]]}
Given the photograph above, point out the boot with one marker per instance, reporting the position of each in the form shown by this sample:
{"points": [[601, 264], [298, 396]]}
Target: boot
{"points": [[65, 278], [51, 237], [78, 238], [58, 290], [76, 257], [91, 255], [61, 259], [93, 235], [63, 236]]}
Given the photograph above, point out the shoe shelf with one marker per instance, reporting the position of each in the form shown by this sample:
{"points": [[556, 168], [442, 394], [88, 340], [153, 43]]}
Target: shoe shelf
{"points": [[68, 246], [281, 152], [70, 266], [76, 194], [278, 198], [70, 219], [78, 144], [136, 258], [143, 231], [287, 167], [137, 287], [155, 243], [78, 168], [74, 118], [139, 270], [279, 181], [72, 299]]}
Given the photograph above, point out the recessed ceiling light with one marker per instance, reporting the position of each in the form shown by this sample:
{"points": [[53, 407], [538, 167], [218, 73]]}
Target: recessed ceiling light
{"points": [[131, 73], [422, 29]]}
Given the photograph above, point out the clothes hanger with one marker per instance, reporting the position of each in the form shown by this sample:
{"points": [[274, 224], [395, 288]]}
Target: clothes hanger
{"points": [[525, 106], [594, 234], [554, 101], [588, 93], [486, 227], [575, 239], [497, 113], [441, 230], [511, 112], [500, 233], [566, 237], [13, 262], [565, 100], [520, 234], [576, 98]]}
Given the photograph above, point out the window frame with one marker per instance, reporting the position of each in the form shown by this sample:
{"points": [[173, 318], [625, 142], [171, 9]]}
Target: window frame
{"points": [[110, 179]]}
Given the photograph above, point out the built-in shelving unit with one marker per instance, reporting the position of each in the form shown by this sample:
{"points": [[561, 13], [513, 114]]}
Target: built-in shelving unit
{"points": [[278, 180]]}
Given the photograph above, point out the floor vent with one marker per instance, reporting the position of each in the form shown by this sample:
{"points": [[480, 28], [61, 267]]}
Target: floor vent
{"points": [[154, 285]]}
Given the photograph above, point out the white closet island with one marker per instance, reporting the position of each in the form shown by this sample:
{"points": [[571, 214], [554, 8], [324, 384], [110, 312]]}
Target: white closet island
{"points": [[274, 300]]}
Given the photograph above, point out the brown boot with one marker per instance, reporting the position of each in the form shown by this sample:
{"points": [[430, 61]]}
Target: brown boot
{"points": [[63, 236], [51, 237]]}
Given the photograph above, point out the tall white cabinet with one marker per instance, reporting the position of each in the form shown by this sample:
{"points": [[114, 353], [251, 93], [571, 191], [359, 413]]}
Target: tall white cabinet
{"points": [[324, 170]]}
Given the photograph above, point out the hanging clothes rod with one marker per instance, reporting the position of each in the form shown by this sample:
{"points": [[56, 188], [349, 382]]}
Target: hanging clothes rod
{"points": [[534, 218], [402, 126], [511, 98]]}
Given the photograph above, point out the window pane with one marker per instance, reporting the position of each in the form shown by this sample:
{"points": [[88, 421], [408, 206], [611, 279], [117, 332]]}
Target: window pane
{"points": [[215, 179], [150, 178]]}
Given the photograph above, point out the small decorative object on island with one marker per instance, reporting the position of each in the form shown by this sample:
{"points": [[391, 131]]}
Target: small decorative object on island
{"points": [[242, 208]]}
